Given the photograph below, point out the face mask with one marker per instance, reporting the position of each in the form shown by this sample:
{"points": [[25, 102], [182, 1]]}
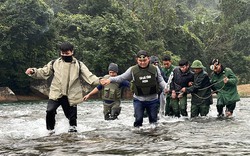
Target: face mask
{"points": [[67, 58]]}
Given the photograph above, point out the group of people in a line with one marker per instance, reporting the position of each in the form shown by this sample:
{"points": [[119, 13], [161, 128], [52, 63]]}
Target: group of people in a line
{"points": [[156, 89]]}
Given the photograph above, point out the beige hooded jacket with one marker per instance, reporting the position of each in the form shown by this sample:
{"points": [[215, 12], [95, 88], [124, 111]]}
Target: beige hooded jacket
{"points": [[66, 80]]}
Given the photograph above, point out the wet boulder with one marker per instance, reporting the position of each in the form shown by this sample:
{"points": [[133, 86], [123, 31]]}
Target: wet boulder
{"points": [[7, 95], [40, 89]]}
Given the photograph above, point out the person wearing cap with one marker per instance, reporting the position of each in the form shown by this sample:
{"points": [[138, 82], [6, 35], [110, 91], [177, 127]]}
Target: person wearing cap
{"points": [[201, 91], [182, 77], [224, 84], [146, 81], [111, 94], [168, 69], [154, 60], [65, 88]]}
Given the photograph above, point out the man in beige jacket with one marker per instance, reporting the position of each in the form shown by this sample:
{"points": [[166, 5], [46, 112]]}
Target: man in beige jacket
{"points": [[65, 89]]}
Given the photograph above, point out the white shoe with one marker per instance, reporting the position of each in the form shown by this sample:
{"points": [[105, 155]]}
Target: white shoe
{"points": [[153, 126], [50, 132], [137, 129], [72, 129]]}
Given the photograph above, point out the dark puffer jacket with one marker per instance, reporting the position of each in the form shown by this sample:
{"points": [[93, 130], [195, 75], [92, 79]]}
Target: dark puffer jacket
{"points": [[181, 79]]}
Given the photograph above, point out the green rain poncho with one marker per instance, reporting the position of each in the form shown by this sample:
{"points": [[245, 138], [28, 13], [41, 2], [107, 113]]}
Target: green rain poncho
{"points": [[227, 93]]}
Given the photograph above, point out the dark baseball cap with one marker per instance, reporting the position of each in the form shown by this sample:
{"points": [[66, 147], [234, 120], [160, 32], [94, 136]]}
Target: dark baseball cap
{"points": [[142, 53]]}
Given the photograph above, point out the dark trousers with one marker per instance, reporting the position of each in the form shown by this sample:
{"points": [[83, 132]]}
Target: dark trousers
{"points": [[201, 109], [151, 108], [69, 111], [229, 107]]}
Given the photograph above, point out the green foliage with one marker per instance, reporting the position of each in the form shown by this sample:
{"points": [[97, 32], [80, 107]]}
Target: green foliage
{"points": [[105, 31], [24, 38], [118, 40], [235, 11], [100, 40], [240, 34], [95, 7], [183, 43]]}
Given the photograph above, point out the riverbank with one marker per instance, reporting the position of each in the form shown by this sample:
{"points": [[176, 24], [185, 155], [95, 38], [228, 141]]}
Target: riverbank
{"points": [[244, 91], [30, 98]]}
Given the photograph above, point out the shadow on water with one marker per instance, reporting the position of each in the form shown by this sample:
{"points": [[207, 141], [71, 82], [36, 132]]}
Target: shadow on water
{"points": [[23, 133]]}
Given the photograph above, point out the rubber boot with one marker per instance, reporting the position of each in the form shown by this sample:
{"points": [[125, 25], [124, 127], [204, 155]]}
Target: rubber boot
{"points": [[115, 112]]}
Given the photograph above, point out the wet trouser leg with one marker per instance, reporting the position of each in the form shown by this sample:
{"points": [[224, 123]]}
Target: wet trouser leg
{"points": [[115, 110], [183, 105], [220, 109], [231, 107], [194, 110], [111, 110], [204, 109], [69, 111], [106, 111], [139, 111], [152, 110], [168, 108], [174, 103], [51, 113], [201, 109]]}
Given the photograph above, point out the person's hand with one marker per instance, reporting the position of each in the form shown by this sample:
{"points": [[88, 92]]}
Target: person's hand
{"points": [[85, 97], [104, 81], [173, 95], [190, 84], [180, 95], [165, 91], [225, 79], [29, 71], [214, 92], [183, 90]]}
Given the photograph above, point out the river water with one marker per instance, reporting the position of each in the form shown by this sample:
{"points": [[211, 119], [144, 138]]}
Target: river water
{"points": [[23, 132]]}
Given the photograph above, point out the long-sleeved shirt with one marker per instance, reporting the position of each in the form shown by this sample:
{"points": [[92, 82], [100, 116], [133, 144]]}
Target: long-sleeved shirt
{"points": [[127, 75]]}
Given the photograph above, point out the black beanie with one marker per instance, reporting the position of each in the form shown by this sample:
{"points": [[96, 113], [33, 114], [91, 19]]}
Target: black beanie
{"points": [[113, 67]]}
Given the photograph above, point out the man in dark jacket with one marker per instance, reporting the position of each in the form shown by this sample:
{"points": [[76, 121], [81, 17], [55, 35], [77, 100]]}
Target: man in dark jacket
{"points": [[182, 77], [225, 86], [200, 89]]}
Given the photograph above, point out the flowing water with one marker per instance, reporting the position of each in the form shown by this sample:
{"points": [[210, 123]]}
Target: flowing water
{"points": [[23, 132]]}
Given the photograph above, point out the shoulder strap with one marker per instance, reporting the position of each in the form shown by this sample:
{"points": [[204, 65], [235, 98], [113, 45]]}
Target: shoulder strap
{"points": [[79, 67], [132, 72], [52, 63]]}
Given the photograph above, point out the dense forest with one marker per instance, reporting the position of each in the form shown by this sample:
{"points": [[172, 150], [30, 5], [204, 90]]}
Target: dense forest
{"points": [[105, 31]]}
